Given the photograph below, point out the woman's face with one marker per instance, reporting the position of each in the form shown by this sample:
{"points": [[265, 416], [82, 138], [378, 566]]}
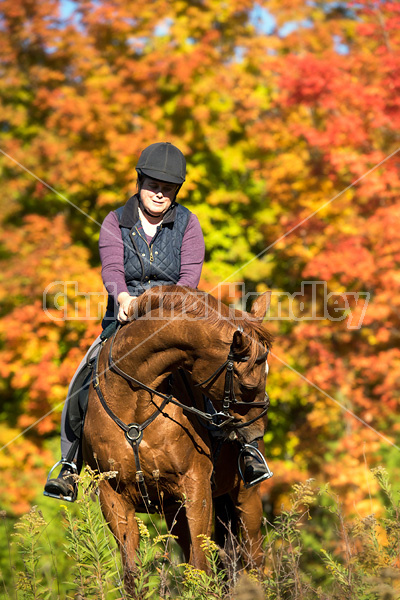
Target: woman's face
{"points": [[157, 196]]}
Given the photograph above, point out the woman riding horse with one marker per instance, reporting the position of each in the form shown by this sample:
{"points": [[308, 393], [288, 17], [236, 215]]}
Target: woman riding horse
{"points": [[151, 241]]}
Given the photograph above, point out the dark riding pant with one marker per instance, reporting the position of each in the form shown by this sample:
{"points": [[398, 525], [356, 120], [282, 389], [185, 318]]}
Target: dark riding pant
{"points": [[67, 435]]}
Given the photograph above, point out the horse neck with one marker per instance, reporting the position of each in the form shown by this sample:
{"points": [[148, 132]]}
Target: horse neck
{"points": [[153, 348]]}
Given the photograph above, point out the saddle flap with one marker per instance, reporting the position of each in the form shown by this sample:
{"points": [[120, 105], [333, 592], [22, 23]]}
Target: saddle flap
{"points": [[78, 400]]}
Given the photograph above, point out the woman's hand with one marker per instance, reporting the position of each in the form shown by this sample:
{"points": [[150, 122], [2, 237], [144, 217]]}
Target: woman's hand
{"points": [[124, 301]]}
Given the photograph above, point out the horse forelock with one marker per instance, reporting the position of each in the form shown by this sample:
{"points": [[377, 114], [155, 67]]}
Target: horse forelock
{"points": [[258, 337], [186, 302]]}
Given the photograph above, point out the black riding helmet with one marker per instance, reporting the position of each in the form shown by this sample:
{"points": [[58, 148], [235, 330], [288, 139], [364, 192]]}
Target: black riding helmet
{"points": [[162, 161]]}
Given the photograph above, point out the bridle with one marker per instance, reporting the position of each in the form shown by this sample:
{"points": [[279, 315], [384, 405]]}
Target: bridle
{"points": [[229, 390]]}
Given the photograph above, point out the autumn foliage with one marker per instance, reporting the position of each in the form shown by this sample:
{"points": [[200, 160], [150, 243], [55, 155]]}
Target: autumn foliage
{"points": [[289, 115]]}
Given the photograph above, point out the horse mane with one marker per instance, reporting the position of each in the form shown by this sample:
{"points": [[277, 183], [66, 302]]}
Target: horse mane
{"points": [[192, 303]]}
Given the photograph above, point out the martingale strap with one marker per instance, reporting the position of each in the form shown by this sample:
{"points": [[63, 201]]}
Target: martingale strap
{"points": [[133, 431]]}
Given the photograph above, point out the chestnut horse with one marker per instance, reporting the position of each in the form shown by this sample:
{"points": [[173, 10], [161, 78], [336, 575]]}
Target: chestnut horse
{"points": [[159, 442]]}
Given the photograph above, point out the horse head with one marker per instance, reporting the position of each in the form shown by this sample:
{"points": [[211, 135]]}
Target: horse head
{"points": [[237, 384]]}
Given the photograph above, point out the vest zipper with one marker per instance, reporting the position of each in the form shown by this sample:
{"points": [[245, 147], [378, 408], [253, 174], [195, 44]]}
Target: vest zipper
{"points": [[148, 245]]}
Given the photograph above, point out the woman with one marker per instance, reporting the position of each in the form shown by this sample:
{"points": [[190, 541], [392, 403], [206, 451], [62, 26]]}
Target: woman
{"points": [[152, 240]]}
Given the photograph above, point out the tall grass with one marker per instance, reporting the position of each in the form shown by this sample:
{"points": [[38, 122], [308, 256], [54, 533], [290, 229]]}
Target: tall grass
{"points": [[360, 559]]}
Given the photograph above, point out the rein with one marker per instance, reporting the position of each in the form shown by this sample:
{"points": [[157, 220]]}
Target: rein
{"points": [[134, 431]]}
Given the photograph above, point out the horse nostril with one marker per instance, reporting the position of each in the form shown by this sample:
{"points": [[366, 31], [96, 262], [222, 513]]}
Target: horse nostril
{"points": [[248, 387]]}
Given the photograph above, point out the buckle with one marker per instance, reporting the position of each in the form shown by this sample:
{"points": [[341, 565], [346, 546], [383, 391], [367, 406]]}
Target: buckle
{"points": [[222, 415]]}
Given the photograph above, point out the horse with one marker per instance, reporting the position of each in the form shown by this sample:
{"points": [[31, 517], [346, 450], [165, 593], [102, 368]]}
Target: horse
{"points": [[158, 439]]}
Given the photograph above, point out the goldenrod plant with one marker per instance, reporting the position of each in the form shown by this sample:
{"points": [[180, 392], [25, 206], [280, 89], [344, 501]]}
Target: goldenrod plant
{"points": [[357, 558]]}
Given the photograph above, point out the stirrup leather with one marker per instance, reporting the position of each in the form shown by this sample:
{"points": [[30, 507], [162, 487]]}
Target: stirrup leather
{"points": [[260, 458], [71, 497]]}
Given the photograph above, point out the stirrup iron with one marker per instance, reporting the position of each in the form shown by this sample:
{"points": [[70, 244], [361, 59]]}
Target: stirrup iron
{"points": [[255, 453], [74, 469]]}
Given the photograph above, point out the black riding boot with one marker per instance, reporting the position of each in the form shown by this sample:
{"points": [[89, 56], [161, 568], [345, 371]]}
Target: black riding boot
{"points": [[63, 487], [252, 465]]}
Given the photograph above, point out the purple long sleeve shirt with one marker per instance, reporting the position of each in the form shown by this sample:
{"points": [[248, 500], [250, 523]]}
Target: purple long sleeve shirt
{"points": [[111, 251]]}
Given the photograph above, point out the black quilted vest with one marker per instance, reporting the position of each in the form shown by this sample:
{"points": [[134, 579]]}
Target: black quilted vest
{"points": [[147, 265]]}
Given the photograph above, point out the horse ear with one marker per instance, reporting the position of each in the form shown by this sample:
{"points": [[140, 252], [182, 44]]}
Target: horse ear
{"points": [[261, 306], [237, 341]]}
